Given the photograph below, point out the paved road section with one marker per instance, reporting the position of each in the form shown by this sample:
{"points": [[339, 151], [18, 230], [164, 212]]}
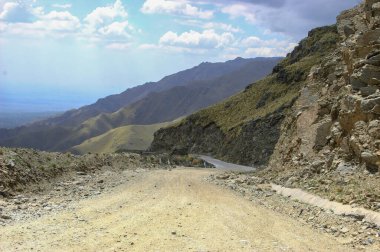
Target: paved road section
{"points": [[221, 165]]}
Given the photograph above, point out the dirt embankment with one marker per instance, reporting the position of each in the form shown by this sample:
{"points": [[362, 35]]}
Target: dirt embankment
{"points": [[34, 171], [354, 228]]}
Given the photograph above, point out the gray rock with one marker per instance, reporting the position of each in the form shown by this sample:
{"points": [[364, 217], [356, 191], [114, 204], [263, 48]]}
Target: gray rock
{"points": [[344, 230], [290, 181], [368, 241], [323, 131], [358, 217], [223, 176], [10, 164], [5, 217], [367, 91], [368, 157], [333, 229], [318, 164], [374, 129], [348, 30], [370, 102], [344, 168], [369, 72], [373, 59], [356, 83]]}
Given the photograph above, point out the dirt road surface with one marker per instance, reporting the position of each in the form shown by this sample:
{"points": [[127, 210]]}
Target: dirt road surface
{"points": [[165, 211]]}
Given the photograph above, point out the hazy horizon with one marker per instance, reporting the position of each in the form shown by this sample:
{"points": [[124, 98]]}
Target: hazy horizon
{"points": [[67, 54]]}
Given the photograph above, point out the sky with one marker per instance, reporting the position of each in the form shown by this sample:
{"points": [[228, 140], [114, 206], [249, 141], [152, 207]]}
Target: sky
{"points": [[59, 54]]}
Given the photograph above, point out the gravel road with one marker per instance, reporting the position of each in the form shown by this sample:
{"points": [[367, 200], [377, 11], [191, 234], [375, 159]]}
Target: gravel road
{"points": [[164, 210]]}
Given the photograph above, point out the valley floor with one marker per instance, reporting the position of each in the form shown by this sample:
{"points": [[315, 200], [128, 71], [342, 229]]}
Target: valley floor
{"points": [[164, 210]]}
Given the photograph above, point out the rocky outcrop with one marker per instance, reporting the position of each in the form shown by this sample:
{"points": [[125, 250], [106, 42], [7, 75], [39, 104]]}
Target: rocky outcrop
{"points": [[336, 118], [192, 137], [330, 138]]}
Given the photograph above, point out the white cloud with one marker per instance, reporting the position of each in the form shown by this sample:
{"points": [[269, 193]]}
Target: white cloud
{"points": [[119, 46], [254, 41], [15, 12], [60, 20], [3, 26], [173, 49], [205, 39], [53, 24], [149, 46], [269, 51], [262, 52], [223, 44], [179, 7], [222, 26], [103, 26], [62, 6], [255, 46], [193, 42], [116, 29], [103, 15], [209, 25], [108, 24], [240, 10]]}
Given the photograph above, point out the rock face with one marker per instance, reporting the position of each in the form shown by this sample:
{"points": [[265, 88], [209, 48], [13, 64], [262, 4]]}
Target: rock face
{"points": [[210, 139], [336, 118]]}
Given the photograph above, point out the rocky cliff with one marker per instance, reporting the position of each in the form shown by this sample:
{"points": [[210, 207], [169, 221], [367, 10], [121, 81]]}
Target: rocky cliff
{"points": [[330, 139], [336, 117]]}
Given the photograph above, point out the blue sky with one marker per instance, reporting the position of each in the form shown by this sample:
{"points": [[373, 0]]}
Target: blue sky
{"points": [[72, 52]]}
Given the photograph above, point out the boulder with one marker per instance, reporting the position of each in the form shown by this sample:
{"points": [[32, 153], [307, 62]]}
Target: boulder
{"points": [[367, 91], [370, 102], [323, 131], [374, 129], [344, 168], [357, 83], [373, 59]]}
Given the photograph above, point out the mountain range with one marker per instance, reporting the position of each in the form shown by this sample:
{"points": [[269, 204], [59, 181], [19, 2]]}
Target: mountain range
{"points": [[174, 96]]}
